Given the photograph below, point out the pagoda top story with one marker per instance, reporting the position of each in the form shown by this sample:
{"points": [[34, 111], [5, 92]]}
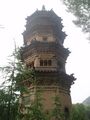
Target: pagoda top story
{"points": [[43, 21]]}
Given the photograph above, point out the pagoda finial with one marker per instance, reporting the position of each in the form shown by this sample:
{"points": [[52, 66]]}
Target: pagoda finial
{"points": [[43, 7]]}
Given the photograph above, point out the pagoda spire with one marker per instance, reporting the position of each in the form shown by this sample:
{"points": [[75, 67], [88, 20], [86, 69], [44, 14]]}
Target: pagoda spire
{"points": [[43, 8]]}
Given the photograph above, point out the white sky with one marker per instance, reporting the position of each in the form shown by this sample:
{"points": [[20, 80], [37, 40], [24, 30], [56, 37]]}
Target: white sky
{"points": [[12, 17]]}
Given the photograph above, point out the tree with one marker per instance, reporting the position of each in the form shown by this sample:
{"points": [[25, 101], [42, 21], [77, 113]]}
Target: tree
{"points": [[81, 9], [88, 112], [7, 111], [78, 112], [13, 74], [8, 92]]}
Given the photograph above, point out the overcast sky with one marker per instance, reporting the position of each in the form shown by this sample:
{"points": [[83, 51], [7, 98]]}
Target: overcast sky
{"points": [[12, 17]]}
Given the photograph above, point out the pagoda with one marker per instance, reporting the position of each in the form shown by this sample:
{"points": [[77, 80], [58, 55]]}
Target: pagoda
{"points": [[44, 52]]}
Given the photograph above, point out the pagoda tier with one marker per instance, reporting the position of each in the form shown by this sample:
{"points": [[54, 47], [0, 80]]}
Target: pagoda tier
{"points": [[44, 23], [46, 47], [37, 51], [59, 79]]}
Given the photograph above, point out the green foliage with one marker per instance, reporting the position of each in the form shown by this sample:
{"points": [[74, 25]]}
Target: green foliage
{"points": [[57, 112], [13, 75], [88, 112], [81, 9], [8, 95], [35, 109], [80, 112], [8, 106], [35, 112]]}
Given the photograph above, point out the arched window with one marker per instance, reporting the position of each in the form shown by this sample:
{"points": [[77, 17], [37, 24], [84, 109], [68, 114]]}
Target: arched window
{"points": [[66, 112]]}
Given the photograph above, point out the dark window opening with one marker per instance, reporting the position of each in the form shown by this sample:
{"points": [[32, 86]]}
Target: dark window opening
{"points": [[45, 62], [45, 38], [41, 62], [49, 62], [66, 111]]}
